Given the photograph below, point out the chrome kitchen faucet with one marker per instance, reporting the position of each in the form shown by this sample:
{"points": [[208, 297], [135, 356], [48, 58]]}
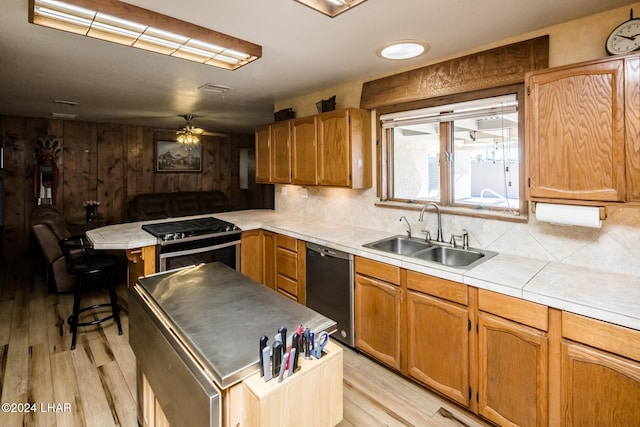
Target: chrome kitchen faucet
{"points": [[439, 237]]}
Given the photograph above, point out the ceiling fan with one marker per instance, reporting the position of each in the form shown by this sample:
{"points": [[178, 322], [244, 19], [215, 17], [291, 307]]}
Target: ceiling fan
{"points": [[190, 134]]}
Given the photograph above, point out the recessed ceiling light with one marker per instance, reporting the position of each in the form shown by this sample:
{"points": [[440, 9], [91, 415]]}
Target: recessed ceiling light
{"points": [[403, 49]]}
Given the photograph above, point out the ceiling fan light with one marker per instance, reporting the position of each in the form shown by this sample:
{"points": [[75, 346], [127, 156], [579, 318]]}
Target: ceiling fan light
{"points": [[188, 138]]}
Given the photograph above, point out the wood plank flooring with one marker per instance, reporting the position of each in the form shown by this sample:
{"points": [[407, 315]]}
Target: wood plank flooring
{"points": [[95, 385]]}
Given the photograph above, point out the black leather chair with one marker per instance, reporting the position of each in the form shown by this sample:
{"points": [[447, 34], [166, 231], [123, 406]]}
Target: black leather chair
{"points": [[82, 261]]}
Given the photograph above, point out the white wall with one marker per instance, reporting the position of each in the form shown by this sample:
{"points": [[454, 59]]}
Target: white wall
{"points": [[614, 247]]}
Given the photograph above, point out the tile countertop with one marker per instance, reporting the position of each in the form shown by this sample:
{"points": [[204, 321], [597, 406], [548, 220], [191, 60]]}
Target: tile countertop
{"points": [[607, 296]]}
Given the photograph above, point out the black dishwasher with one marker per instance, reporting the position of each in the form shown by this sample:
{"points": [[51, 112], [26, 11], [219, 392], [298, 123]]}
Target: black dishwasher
{"points": [[330, 288]]}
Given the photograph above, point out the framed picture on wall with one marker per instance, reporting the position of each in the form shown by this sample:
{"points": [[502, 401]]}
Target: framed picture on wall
{"points": [[171, 156]]}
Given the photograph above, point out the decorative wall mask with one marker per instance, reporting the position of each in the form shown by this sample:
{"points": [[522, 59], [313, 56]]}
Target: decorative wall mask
{"points": [[45, 174]]}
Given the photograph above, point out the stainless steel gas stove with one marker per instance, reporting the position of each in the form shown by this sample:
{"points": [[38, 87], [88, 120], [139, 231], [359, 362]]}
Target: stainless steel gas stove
{"points": [[193, 241]]}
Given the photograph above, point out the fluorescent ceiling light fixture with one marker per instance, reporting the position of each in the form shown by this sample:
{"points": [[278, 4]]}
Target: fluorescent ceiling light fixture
{"points": [[129, 25], [331, 8], [403, 49]]}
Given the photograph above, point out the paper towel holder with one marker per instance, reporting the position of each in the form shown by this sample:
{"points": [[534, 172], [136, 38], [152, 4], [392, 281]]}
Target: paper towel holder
{"points": [[602, 209]]}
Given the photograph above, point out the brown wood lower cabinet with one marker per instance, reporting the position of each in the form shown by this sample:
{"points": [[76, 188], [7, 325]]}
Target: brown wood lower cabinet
{"points": [[252, 255], [511, 361], [275, 260], [377, 310], [599, 388], [512, 373], [438, 345], [437, 331], [600, 374]]}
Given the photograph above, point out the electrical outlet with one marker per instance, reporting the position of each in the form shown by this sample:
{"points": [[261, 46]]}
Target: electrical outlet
{"points": [[304, 193]]}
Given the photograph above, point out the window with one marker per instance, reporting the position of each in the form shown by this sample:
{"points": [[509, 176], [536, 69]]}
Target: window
{"points": [[465, 154]]}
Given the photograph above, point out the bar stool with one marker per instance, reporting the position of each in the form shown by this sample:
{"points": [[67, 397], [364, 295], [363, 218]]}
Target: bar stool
{"points": [[82, 261]]}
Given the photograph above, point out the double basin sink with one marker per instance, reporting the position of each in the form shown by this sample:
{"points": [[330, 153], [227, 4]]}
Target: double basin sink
{"points": [[432, 252]]}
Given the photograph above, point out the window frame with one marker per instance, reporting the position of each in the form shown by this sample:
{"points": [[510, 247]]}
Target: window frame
{"points": [[385, 156]]}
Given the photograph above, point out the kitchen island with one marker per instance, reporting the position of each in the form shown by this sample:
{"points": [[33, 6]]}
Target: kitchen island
{"points": [[195, 333]]}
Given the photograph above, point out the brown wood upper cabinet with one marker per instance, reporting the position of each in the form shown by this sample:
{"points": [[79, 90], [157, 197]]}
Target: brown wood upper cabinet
{"points": [[577, 147], [331, 149], [344, 148], [304, 151], [281, 152], [263, 154], [273, 153]]}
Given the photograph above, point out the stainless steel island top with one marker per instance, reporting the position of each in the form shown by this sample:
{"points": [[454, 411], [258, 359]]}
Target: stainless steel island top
{"points": [[220, 315]]}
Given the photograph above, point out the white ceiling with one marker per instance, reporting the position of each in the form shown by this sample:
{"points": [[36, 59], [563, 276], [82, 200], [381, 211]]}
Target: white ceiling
{"points": [[303, 51]]}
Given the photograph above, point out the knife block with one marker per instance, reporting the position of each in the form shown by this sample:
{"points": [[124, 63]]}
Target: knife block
{"points": [[314, 392]]}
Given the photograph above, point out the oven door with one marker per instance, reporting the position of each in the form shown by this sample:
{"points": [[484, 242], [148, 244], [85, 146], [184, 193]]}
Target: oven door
{"points": [[225, 249]]}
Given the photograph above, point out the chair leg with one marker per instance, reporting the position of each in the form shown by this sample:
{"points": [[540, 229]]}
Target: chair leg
{"points": [[73, 319], [115, 308]]}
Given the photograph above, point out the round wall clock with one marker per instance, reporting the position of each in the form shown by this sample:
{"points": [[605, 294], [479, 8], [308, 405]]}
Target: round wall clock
{"points": [[625, 37]]}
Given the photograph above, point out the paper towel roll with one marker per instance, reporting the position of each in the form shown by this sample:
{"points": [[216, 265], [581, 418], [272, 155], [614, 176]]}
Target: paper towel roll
{"points": [[583, 216]]}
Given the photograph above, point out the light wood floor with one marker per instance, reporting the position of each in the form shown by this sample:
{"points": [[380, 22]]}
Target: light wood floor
{"points": [[94, 385]]}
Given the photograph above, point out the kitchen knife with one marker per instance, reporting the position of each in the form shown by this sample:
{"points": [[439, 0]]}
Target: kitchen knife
{"points": [[293, 360], [283, 335], [306, 343], [282, 367], [266, 371], [263, 344], [295, 345], [277, 357]]}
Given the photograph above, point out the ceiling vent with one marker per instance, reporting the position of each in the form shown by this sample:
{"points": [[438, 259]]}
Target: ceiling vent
{"points": [[209, 87], [62, 102], [63, 116]]}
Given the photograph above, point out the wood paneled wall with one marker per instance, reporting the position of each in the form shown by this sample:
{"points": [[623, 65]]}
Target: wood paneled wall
{"points": [[110, 163]]}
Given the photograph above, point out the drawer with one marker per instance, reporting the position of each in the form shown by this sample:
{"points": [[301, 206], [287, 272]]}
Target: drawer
{"points": [[378, 270], [287, 263], [605, 336], [441, 288], [287, 242], [290, 287], [521, 311]]}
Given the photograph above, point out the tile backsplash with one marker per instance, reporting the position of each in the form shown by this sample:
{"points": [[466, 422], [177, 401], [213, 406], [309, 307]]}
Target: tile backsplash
{"points": [[614, 247]]}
